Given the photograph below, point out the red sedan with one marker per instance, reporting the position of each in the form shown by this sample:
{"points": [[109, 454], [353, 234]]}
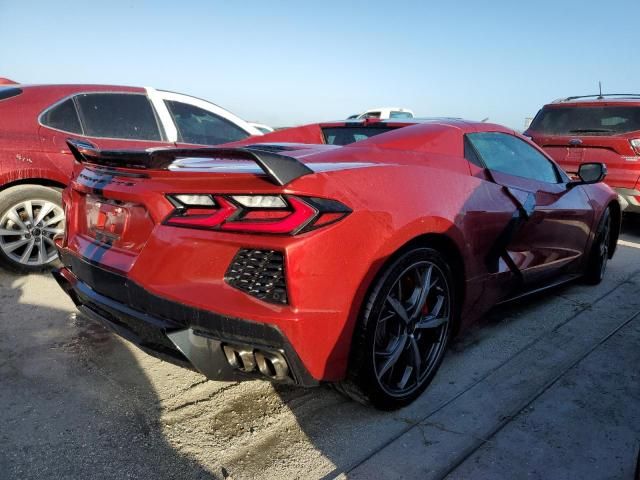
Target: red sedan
{"points": [[35, 164], [347, 253]]}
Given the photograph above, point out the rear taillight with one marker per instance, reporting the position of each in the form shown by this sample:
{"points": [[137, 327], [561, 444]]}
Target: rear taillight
{"points": [[271, 214], [635, 144]]}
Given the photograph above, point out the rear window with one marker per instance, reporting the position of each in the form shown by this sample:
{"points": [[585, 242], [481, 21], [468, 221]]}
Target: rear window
{"points": [[347, 135], [8, 92], [587, 120]]}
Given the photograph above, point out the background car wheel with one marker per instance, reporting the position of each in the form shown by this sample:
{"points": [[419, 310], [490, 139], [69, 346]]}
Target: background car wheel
{"points": [[599, 256], [403, 332], [30, 217]]}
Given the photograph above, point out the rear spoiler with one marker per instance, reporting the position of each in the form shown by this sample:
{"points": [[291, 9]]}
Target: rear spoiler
{"points": [[280, 169]]}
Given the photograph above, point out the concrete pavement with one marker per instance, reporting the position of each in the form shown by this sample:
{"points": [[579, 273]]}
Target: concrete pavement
{"points": [[545, 388]]}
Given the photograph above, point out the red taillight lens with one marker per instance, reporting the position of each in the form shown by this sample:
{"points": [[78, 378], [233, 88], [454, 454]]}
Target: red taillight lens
{"points": [[271, 214], [204, 217]]}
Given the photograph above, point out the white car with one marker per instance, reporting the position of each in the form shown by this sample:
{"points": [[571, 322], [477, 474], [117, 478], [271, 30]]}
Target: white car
{"points": [[195, 115], [262, 127], [384, 113]]}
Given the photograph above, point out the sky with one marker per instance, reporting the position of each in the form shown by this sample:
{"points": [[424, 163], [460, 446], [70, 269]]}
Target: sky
{"points": [[290, 62]]}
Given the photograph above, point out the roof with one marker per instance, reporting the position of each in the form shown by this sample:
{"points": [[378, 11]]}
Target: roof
{"points": [[598, 99], [402, 109], [71, 88], [451, 122]]}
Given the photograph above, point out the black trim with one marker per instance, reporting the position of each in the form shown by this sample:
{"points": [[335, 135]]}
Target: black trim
{"points": [[8, 92], [102, 291], [280, 169], [499, 248], [598, 96], [259, 273], [471, 153]]}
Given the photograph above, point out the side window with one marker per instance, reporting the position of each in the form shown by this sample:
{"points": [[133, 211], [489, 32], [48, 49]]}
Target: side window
{"points": [[63, 117], [118, 115], [508, 154], [199, 126], [397, 114], [470, 153]]}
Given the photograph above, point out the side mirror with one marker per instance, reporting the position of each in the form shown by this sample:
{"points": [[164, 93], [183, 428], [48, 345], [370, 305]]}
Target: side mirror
{"points": [[589, 173]]}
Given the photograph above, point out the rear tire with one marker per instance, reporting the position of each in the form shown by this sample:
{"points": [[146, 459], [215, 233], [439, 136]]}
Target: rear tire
{"points": [[599, 256], [403, 331], [30, 217]]}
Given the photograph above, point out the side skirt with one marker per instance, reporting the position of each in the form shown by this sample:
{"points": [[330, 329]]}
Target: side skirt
{"points": [[557, 282]]}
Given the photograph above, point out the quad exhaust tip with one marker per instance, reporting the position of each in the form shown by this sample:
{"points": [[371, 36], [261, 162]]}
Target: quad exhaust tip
{"points": [[269, 363]]}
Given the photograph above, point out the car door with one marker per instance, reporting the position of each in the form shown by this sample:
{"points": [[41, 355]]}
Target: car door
{"points": [[110, 120], [196, 122], [549, 230]]}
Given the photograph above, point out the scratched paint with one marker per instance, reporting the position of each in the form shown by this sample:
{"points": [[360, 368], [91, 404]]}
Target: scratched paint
{"points": [[23, 158]]}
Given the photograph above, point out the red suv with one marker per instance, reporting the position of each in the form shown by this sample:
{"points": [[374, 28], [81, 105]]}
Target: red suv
{"points": [[35, 163], [595, 128]]}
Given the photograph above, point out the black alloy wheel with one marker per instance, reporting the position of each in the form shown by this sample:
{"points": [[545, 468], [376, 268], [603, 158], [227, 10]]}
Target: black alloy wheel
{"points": [[404, 331]]}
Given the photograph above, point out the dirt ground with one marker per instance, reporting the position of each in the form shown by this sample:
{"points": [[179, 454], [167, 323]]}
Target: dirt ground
{"points": [[545, 388]]}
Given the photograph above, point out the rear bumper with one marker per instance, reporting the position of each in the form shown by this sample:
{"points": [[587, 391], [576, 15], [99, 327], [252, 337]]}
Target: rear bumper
{"points": [[219, 347]]}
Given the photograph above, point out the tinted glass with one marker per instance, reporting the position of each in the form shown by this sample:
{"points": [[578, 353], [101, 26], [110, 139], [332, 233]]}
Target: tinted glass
{"points": [[347, 135], [63, 117], [199, 126], [508, 154], [400, 115], [114, 115], [587, 120], [470, 153]]}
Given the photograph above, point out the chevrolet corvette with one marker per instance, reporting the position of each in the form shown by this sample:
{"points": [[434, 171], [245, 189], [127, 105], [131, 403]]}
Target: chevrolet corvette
{"points": [[347, 253]]}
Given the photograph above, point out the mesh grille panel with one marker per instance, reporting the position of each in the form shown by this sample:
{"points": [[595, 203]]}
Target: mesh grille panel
{"points": [[259, 273]]}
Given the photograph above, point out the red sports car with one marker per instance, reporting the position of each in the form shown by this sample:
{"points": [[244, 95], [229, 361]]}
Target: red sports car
{"points": [[345, 252]]}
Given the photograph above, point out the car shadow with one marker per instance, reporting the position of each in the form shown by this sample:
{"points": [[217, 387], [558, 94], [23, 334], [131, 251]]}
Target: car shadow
{"points": [[75, 402]]}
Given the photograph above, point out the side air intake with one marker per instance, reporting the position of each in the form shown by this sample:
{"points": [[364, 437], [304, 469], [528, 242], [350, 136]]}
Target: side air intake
{"points": [[259, 273]]}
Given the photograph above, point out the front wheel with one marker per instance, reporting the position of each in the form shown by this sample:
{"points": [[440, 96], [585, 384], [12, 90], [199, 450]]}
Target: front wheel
{"points": [[403, 331], [30, 217], [599, 256]]}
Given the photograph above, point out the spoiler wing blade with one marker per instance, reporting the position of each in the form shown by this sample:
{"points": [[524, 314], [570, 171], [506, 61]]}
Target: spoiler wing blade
{"points": [[280, 169]]}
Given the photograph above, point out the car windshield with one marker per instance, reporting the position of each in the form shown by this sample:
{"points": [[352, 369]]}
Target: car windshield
{"points": [[587, 120]]}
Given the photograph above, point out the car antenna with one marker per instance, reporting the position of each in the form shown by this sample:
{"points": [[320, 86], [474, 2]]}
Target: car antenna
{"points": [[600, 97]]}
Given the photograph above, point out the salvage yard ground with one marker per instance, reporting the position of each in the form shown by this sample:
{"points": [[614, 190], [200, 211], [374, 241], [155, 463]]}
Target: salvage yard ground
{"points": [[547, 387]]}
